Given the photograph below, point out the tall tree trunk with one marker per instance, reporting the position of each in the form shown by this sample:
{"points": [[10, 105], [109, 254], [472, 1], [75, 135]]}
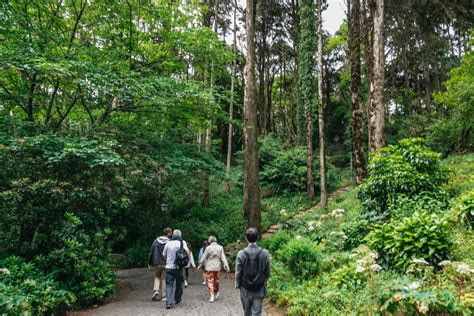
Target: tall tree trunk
{"points": [[251, 172], [208, 138], [231, 104], [377, 108], [357, 127], [322, 141]]}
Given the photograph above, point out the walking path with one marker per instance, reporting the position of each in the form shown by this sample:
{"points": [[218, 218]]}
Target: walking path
{"points": [[135, 290], [139, 285]]}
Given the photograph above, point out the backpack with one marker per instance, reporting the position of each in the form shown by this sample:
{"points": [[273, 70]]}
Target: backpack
{"points": [[182, 258], [252, 277]]}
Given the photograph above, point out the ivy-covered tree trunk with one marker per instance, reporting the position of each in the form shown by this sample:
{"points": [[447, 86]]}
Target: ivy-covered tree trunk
{"points": [[251, 169], [357, 126], [307, 81], [231, 103], [322, 140], [377, 107]]}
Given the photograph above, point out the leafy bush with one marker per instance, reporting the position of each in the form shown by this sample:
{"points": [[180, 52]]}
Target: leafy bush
{"points": [[44, 176], [408, 168], [410, 297], [355, 232], [288, 171], [302, 257], [463, 209], [276, 242], [80, 263], [404, 206], [26, 290], [136, 256], [420, 236]]}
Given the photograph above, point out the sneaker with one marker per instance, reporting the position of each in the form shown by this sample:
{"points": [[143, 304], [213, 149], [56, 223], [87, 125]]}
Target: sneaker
{"points": [[169, 306], [217, 295], [203, 283], [155, 294], [163, 299], [185, 284], [211, 299]]}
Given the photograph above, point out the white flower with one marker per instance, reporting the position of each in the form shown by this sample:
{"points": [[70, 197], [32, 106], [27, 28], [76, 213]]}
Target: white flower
{"points": [[423, 309], [464, 268], [420, 261], [375, 267], [414, 286], [338, 212], [333, 233], [311, 228], [360, 269], [5, 271], [283, 212], [444, 263], [373, 255], [298, 237]]}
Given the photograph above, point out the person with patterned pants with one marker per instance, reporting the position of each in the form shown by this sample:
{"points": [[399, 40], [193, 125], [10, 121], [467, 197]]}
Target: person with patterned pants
{"points": [[213, 260]]}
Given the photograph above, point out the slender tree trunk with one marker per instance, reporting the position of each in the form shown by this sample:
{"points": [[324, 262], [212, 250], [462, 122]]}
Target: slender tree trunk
{"points": [[231, 104], [322, 141], [251, 171], [357, 127], [377, 109], [208, 138]]}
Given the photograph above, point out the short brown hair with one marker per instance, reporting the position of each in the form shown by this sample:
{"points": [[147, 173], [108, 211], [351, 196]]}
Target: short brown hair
{"points": [[167, 231]]}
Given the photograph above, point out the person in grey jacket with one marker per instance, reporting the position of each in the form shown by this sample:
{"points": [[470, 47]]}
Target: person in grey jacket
{"points": [[157, 262], [252, 270]]}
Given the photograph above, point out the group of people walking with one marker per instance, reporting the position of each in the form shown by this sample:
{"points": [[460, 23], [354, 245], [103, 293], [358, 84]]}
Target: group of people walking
{"points": [[171, 256]]}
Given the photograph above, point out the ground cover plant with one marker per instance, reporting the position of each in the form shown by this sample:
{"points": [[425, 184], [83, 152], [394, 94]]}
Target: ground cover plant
{"points": [[417, 262]]}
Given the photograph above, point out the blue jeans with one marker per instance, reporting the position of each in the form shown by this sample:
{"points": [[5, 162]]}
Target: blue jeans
{"points": [[173, 275]]}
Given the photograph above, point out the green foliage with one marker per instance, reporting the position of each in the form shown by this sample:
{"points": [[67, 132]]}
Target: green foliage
{"points": [[408, 168], [26, 290], [409, 297], [276, 242], [302, 257], [80, 263], [403, 206], [355, 231], [420, 236], [136, 256], [288, 171], [47, 175], [454, 132], [463, 209]]}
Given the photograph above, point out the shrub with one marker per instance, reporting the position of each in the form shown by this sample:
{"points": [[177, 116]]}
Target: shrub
{"points": [[404, 206], [80, 263], [355, 232], [420, 236], [26, 290], [408, 168], [463, 209], [302, 257], [136, 256], [412, 298], [288, 171], [276, 242]]}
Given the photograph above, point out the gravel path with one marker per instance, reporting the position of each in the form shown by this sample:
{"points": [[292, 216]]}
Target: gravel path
{"points": [[139, 285]]}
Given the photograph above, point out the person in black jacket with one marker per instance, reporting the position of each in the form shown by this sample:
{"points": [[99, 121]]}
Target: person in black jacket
{"points": [[252, 270], [157, 262]]}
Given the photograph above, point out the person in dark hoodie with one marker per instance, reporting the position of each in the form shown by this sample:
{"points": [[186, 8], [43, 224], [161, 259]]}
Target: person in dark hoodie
{"points": [[157, 262]]}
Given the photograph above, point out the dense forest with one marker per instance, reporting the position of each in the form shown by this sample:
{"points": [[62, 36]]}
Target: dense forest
{"points": [[119, 118]]}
